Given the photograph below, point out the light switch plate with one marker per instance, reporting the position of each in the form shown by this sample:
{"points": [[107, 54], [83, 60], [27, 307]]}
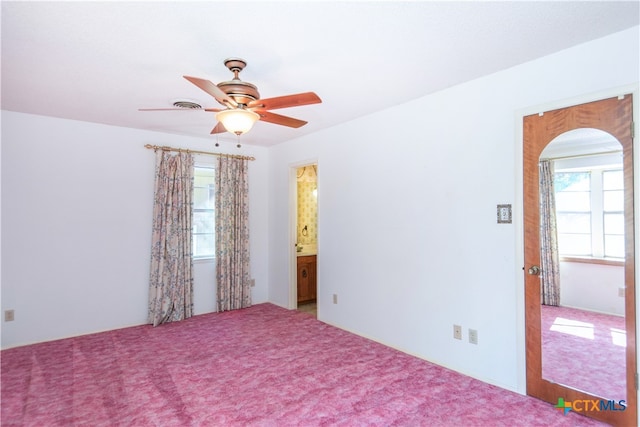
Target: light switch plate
{"points": [[504, 214]]}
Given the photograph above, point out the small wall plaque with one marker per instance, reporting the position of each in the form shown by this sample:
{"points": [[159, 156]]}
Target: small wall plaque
{"points": [[504, 214]]}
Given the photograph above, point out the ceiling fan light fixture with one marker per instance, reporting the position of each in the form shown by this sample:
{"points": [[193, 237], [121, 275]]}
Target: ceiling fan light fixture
{"points": [[237, 120]]}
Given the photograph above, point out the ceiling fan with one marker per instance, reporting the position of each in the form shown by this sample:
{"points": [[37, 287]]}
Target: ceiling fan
{"points": [[243, 106]]}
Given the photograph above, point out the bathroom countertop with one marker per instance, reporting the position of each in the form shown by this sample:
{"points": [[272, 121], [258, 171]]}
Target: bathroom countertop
{"points": [[306, 253]]}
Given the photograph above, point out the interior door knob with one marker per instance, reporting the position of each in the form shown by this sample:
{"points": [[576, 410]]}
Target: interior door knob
{"points": [[534, 271]]}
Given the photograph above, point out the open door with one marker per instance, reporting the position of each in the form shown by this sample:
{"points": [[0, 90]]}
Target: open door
{"points": [[614, 117], [303, 226]]}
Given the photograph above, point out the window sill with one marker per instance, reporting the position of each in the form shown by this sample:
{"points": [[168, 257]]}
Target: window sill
{"points": [[591, 260], [203, 260]]}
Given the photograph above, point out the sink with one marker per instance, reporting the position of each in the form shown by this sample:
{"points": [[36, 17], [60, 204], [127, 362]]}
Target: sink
{"points": [[307, 252]]}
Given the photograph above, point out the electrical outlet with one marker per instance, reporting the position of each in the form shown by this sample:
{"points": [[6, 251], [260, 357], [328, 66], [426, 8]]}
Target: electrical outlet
{"points": [[621, 292], [473, 336], [252, 282], [9, 315], [335, 298], [457, 332]]}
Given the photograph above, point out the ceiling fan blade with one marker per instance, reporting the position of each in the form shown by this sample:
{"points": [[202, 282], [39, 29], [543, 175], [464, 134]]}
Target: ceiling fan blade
{"points": [[277, 119], [212, 90], [219, 128], [215, 110], [285, 101]]}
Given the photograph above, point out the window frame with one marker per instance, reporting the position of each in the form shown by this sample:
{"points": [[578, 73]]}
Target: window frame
{"points": [[588, 213], [204, 257], [597, 213]]}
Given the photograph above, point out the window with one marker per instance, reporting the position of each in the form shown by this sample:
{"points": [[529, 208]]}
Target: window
{"points": [[203, 212], [613, 211], [590, 213], [573, 212]]}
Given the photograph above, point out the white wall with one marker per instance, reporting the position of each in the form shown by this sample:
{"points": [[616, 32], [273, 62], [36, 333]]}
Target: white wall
{"points": [[407, 197], [592, 287], [76, 226]]}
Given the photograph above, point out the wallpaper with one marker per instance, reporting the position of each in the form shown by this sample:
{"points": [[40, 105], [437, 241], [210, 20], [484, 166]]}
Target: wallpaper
{"points": [[307, 206]]}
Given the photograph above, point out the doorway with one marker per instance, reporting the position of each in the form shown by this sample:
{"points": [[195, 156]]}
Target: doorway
{"points": [[306, 238], [612, 116]]}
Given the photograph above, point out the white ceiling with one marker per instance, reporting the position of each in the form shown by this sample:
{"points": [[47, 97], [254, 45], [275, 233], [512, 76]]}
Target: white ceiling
{"points": [[102, 61]]}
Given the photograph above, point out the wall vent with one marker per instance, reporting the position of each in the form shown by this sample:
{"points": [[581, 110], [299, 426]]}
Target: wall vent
{"points": [[190, 105]]}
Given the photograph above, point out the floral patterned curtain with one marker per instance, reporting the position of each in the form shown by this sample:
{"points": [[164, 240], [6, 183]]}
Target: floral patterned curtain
{"points": [[171, 277], [550, 265], [232, 234]]}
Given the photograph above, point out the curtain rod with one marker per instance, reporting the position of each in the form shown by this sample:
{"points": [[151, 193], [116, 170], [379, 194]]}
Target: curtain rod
{"points": [[186, 150]]}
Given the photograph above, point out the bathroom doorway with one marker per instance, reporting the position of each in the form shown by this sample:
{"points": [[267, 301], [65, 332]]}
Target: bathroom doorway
{"points": [[306, 238]]}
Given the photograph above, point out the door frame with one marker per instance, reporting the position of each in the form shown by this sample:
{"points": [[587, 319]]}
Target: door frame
{"points": [[519, 278], [293, 230]]}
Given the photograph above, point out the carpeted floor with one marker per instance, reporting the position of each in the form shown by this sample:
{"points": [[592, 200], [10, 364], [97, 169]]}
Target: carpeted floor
{"points": [[310, 308], [585, 350], [260, 366]]}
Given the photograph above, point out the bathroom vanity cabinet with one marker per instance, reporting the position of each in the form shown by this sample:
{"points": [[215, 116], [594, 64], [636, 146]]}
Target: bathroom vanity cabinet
{"points": [[306, 278]]}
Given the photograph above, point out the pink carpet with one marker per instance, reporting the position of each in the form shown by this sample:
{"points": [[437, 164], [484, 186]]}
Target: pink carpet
{"points": [[585, 350], [261, 366]]}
